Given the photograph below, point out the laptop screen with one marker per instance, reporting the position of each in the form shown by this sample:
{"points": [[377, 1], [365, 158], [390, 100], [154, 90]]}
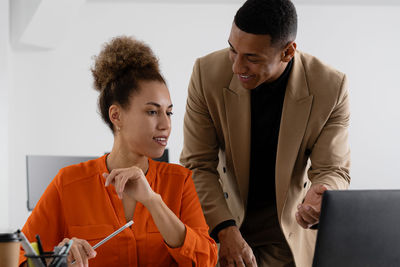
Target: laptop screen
{"points": [[359, 228]]}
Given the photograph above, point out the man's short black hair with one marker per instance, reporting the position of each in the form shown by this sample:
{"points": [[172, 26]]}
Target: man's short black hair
{"points": [[276, 18]]}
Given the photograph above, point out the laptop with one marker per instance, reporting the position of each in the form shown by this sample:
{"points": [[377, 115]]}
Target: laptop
{"points": [[359, 228]]}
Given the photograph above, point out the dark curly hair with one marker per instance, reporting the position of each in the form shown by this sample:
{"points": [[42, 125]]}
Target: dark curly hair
{"points": [[117, 70], [276, 18]]}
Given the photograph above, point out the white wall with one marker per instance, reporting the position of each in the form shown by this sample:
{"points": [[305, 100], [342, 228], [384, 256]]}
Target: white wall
{"points": [[4, 89], [362, 42], [53, 106]]}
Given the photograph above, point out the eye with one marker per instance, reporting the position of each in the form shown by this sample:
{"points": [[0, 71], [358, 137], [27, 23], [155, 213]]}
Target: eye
{"points": [[152, 112], [232, 50], [252, 60], [169, 113]]}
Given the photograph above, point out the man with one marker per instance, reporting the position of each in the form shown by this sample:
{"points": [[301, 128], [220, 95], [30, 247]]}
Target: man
{"points": [[265, 133]]}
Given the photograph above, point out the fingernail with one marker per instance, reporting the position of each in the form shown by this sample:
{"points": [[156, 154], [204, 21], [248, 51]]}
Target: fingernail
{"points": [[308, 208], [298, 206]]}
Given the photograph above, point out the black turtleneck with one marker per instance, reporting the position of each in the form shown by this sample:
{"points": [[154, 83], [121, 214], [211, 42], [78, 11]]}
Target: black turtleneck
{"points": [[261, 224], [266, 111]]}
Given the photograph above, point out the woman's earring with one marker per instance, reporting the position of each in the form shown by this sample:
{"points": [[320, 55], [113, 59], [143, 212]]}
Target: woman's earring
{"points": [[118, 129]]}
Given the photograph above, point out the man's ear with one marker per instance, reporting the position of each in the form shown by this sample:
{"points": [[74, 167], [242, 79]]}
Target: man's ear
{"points": [[289, 51], [115, 114]]}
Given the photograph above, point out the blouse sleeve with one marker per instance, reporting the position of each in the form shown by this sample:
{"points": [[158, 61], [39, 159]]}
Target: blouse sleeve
{"points": [[46, 220], [198, 247]]}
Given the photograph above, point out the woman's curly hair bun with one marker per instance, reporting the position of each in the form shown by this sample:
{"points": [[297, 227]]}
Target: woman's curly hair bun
{"points": [[121, 55]]}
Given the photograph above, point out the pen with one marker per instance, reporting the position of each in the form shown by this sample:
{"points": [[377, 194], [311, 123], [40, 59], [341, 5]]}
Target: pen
{"points": [[65, 251], [28, 249], [111, 235], [40, 247]]}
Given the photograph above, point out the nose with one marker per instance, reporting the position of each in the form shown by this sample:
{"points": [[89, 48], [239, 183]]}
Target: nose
{"points": [[239, 65], [164, 122]]}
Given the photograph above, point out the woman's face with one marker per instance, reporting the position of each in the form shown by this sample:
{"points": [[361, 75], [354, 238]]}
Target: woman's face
{"points": [[146, 123]]}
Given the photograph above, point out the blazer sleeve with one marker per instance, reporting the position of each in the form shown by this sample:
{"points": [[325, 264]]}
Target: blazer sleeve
{"points": [[198, 247], [200, 152], [330, 156], [46, 219]]}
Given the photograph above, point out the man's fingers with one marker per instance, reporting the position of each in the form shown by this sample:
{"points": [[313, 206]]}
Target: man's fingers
{"points": [[240, 263], [226, 263], [321, 189], [254, 262], [312, 212], [251, 262], [308, 214], [249, 259], [300, 221]]}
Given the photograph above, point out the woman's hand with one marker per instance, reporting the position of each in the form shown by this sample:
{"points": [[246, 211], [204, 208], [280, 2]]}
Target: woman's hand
{"points": [[81, 251], [130, 182]]}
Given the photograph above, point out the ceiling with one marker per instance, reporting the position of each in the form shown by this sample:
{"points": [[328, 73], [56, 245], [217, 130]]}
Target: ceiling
{"points": [[313, 2]]}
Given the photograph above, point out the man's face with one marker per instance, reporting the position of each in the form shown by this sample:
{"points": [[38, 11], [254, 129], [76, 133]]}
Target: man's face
{"points": [[254, 59]]}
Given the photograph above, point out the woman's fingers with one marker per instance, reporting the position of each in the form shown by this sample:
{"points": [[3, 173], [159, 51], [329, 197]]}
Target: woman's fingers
{"points": [[78, 256], [88, 248], [129, 182], [81, 251], [63, 242], [120, 185], [110, 177]]}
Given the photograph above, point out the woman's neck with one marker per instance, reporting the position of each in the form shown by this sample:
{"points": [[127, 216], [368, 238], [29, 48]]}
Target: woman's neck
{"points": [[118, 158]]}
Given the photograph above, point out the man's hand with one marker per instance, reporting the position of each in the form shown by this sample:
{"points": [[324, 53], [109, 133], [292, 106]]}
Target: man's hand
{"points": [[308, 213], [234, 251]]}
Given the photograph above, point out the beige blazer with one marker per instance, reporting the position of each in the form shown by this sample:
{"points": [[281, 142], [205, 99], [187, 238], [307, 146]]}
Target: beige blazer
{"points": [[312, 146]]}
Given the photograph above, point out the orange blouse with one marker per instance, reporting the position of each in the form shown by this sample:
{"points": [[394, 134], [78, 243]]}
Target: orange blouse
{"points": [[77, 204]]}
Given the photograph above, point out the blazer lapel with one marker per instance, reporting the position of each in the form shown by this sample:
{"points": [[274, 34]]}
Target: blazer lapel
{"points": [[295, 113], [237, 106]]}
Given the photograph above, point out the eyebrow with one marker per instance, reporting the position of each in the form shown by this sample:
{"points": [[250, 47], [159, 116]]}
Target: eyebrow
{"points": [[157, 105], [247, 54]]}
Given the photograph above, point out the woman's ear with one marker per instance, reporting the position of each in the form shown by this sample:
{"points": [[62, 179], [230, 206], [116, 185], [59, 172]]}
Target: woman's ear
{"points": [[115, 114]]}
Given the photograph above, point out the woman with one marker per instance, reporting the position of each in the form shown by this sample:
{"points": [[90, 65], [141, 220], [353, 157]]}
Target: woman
{"points": [[88, 201]]}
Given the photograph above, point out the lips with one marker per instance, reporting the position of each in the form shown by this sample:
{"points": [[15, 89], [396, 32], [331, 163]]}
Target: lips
{"points": [[244, 78], [161, 140]]}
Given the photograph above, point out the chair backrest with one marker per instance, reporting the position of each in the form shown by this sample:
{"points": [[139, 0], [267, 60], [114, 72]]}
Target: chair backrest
{"points": [[40, 170]]}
